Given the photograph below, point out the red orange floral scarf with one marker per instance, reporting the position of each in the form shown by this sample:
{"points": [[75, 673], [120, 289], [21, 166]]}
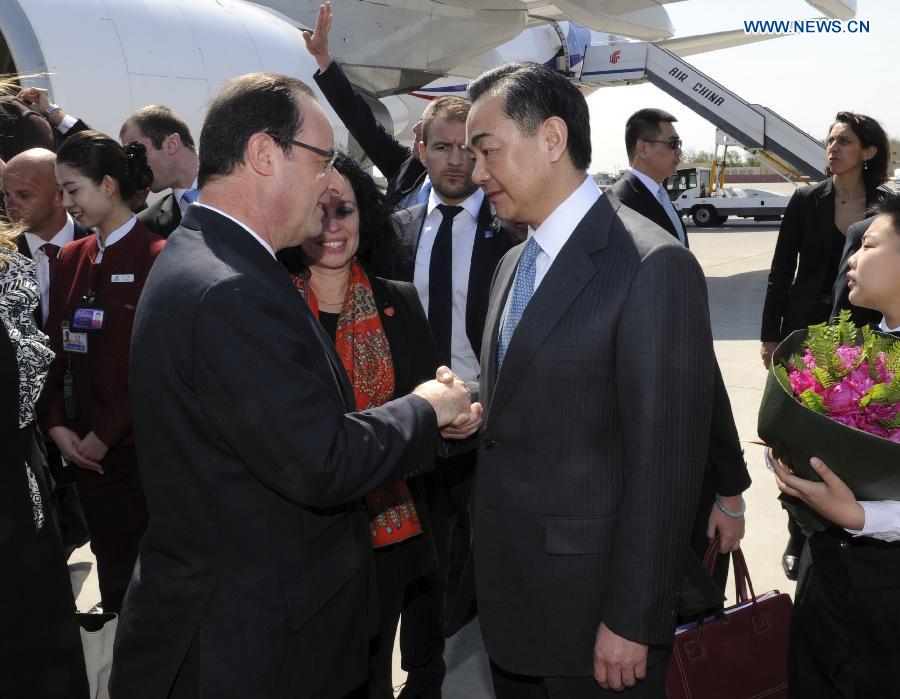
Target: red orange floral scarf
{"points": [[366, 355]]}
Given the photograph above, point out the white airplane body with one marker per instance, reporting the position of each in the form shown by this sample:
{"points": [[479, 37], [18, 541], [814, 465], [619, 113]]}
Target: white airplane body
{"points": [[102, 59]]}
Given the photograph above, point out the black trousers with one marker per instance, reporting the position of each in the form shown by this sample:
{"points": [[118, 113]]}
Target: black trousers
{"points": [[845, 634], [116, 517], [508, 685], [448, 490]]}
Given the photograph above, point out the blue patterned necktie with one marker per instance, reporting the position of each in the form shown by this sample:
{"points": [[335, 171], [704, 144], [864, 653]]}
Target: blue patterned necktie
{"points": [[663, 198], [189, 196], [523, 288]]}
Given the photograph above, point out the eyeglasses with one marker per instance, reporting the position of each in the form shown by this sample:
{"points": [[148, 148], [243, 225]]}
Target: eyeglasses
{"points": [[330, 154], [674, 143]]}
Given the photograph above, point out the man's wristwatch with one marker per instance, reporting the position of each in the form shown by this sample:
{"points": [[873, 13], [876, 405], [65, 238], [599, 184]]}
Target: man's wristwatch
{"points": [[51, 109]]}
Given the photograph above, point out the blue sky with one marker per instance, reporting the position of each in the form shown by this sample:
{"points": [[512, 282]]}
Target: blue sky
{"points": [[804, 78]]}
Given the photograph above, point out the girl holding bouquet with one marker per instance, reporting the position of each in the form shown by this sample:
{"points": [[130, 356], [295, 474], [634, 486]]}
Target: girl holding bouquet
{"points": [[846, 628]]}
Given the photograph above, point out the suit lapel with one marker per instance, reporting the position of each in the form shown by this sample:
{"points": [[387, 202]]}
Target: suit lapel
{"points": [[481, 270], [409, 228], [568, 275], [502, 285], [650, 206]]}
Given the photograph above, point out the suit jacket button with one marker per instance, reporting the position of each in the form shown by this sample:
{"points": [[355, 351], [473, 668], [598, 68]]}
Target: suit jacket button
{"points": [[490, 443], [845, 544]]}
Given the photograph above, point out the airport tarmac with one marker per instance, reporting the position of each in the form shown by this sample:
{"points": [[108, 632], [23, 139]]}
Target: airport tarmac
{"points": [[735, 259]]}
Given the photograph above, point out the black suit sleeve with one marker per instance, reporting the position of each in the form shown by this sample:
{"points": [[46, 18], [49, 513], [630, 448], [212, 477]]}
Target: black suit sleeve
{"points": [[784, 267], [725, 453], [290, 428], [665, 411], [382, 148], [424, 355]]}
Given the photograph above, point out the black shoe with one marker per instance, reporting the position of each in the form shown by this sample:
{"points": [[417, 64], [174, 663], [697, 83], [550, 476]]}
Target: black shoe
{"points": [[790, 564]]}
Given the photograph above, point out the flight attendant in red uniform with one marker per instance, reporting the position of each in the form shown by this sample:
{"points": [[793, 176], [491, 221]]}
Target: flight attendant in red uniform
{"points": [[96, 283]]}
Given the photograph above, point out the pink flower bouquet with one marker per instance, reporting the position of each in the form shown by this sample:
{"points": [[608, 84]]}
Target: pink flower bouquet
{"points": [[834, 392]]}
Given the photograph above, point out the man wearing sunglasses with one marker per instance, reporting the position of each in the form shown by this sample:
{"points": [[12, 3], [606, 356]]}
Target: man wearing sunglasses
{"points": [[654, 151]]}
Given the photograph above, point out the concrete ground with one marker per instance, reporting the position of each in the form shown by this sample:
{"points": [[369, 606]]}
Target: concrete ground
{"points": [[735, 259]]}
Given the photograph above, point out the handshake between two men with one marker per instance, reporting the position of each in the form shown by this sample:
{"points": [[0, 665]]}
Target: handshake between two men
{"points": [[457, 416]]}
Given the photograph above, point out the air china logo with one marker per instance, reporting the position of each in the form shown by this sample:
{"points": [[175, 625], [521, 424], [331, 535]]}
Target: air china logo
{"points": [[614, 57]]}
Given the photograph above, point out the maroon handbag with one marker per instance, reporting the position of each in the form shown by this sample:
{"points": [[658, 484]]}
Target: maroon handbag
{"points": [[739, 653]]}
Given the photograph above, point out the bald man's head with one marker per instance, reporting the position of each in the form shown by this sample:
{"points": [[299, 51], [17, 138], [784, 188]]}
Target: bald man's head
{"points": [[31, 194]]}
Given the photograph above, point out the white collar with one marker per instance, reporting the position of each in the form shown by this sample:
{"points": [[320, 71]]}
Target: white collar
{"points": [[472, 203], [647, 181], [117, 234], [63, 236], [242, 225], [884, 327], [556, 229]]}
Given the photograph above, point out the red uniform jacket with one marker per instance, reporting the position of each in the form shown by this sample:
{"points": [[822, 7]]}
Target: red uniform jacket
{"points": [[101, 375]]}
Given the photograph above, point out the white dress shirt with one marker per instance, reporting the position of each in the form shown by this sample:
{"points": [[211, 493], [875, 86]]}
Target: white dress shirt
{"points": [[178, 193], [114, 237], [882, 516], [242, 225], [556, 230], [462, 357], [653, 187], [65, 235]]}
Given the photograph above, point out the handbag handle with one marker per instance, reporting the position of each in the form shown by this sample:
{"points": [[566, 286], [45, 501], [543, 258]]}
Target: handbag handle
{"points": [[742, 580]]}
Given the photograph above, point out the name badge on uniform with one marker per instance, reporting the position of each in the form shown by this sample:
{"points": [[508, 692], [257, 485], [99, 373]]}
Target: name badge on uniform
{"points": [[123, 278], [74, 341], [88, 318]]}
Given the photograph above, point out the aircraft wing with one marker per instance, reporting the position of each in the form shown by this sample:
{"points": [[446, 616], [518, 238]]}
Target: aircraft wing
{"points": [[703, 43]]}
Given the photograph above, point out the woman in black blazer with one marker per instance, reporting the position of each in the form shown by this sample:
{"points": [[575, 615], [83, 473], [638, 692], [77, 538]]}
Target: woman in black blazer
{"points": [[383, 339], [811, 242], [811, 237]]}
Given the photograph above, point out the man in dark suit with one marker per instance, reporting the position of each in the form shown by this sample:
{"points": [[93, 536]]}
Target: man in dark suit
{"points": [[173, 159], [654, 151], [33, 199], [407, 180], [254, 574], [448, 247], [649, 140], [597, 381]]}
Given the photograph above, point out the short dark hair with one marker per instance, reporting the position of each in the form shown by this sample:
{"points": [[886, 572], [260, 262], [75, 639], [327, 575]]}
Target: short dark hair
{"points": [[643, 125], [157, 122], [533, 93], [376, 232], [96, 155], [890, 206], [451, 108], [869, 133], [249, 104]]}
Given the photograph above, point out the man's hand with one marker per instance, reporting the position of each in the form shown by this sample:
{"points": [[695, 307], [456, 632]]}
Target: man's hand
{"points": [[730, 529], [765, 351], [67, 442], [37, 96], [317, 42], [465, 425], [449, 397], [831, 498], [92, 448], [618, 662]]}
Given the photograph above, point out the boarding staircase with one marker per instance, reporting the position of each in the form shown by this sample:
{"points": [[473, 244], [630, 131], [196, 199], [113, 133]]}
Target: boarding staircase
{"points": [[775, 140]]}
